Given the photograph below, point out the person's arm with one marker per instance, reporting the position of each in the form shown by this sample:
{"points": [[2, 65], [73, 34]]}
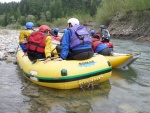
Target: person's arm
{"points": [[48, 49], [23, 34], [65, 44], [21, 37]]}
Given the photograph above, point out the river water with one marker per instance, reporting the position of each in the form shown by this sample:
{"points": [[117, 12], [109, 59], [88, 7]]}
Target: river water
{"points": [[127, 91]]}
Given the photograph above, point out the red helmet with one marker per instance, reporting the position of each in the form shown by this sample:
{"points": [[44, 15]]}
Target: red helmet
{"points": [[44, 28]]}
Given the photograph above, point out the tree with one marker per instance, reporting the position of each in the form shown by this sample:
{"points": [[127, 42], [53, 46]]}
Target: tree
{"points": [[5, 22], [22, 20], [17, 14], [46, 10], [48, 16]]}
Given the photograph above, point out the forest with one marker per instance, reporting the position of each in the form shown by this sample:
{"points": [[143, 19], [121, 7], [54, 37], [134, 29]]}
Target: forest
{"points": [[57, 12], [45, 11]]}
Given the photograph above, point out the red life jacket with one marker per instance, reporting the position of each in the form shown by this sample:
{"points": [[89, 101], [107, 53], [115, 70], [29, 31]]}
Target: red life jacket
{"points": [[109, 44], [95, 43], [36, 42]]}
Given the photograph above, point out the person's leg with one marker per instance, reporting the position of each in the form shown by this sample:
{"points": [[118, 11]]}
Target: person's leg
{"points": [[23, 47], [58, 48], [80, 55], [105, 52], [31, 56]]}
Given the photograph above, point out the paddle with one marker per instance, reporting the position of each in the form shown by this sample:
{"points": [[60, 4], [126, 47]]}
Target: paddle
{"points": [[42, 59], [17, 49]]}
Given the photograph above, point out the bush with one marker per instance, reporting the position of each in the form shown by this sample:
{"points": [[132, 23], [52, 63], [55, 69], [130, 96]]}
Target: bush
{"points": [[60, 22], [14, 26], [110, 9]]}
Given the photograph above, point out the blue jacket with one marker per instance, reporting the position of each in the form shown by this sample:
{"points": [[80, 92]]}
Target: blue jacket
{"points": [[66, 45], [100, 47]]}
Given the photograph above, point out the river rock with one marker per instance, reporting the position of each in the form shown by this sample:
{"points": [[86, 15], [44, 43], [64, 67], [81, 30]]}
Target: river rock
{"points": [[12, 49], [2, 56], [57, 109]]}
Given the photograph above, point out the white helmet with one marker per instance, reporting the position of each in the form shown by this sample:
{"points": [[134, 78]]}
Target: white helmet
{"points": [[73, 21]]}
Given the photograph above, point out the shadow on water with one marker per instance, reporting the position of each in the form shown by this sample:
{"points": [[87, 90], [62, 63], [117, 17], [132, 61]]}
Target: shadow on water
{"points": [[129, 74], [43, 99]]}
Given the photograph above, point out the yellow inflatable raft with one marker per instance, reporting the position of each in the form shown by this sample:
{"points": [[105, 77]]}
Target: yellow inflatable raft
{"points": [[120, 60], [66, 74]]}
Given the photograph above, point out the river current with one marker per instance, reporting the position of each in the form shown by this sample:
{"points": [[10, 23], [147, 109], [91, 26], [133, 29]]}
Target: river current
{"points": [[127, 91]]}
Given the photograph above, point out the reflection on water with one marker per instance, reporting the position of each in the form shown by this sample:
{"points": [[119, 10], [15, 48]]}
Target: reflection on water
{"points": [[47, 99], [11, 98], [127, 91], [128, 75]]}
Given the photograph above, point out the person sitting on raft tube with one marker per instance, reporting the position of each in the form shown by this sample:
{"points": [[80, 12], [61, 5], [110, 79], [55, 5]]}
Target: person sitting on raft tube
{"points": [[99, 47], [23, 36], [76, 42], [39, 44]]}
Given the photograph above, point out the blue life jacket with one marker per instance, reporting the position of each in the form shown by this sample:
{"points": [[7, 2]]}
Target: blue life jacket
{"points": [[79, 36]]}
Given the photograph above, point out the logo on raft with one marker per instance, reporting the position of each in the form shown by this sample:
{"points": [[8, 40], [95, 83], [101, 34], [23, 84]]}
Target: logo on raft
{"points": [[86, 64]]}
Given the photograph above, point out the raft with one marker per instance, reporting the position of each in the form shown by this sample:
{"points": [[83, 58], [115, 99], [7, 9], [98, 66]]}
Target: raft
{"points": [[118, 60], [66, 74], [121, 60]]}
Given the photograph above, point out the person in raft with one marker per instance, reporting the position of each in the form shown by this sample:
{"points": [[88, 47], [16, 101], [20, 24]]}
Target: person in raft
{"points": [[76, 42], [24, 34], [92, 32], [39, 44], [99, 47], [105, 37], [54, 32]]}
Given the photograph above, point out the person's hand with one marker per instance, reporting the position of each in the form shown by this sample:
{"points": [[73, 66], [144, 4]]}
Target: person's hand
{"points": [[48, 59], [23, 41], [58, 59]]}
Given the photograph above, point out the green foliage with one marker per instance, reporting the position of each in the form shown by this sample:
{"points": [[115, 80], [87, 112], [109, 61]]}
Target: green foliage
{"points": [[14, 26], [22, 20], [83, 17], [109, 8], [60, 22], [46, 11], [56, 12], [40, 22]]}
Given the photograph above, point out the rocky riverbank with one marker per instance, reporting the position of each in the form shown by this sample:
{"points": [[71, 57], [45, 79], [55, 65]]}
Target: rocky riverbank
{"points": [[130, 25], [8, 44]]}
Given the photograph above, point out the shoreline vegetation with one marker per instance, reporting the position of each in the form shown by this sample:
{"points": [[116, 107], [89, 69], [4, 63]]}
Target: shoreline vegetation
{"points": [[128, 19]]}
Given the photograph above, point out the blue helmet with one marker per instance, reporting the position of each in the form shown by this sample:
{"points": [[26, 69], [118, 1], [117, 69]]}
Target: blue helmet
{"points": [[92, 31], [102, 26], [29, 25], [56, 29]]}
